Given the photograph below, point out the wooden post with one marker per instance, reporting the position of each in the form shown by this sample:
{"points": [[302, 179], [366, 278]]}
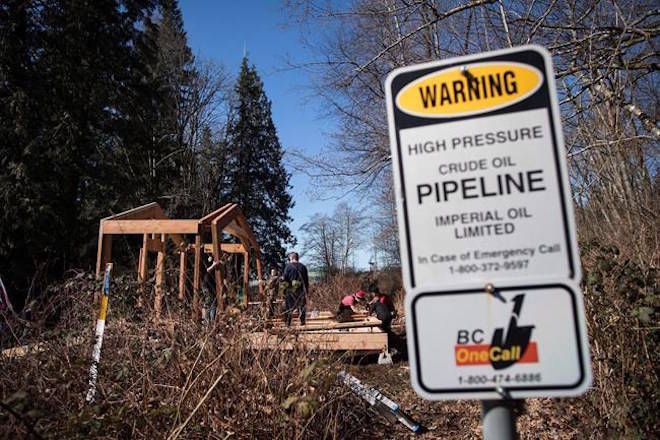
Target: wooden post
{"points": [[160, 275], [246, 277], [216, 235], [259, 273], [107, 250], [99, 251], [196, 310], [143, 270], [104, 256], [139, 267], [140, 289], [182, 275]]}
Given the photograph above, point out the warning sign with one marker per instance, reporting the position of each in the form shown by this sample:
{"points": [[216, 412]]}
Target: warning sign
{"points": [[480, 171], [519, 342]]}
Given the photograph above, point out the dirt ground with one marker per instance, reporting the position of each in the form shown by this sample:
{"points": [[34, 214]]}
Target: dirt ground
{"points": [[539, 418], [536, 418]]}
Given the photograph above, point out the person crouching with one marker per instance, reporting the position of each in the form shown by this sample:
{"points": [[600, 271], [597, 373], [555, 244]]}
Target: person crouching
{"points": [[350, 304], [383, 308]]}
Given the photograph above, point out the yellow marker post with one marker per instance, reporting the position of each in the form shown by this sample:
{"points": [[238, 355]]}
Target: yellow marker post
{"points": [[100, 327]]}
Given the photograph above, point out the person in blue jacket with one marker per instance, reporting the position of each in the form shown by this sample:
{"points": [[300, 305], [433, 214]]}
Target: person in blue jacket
{"points": [[297, 282]]}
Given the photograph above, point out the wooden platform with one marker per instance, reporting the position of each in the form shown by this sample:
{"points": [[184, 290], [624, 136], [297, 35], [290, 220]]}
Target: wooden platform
{"points": [[322, 332]]}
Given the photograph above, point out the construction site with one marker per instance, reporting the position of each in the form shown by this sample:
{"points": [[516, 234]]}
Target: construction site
{"points": [[244, 374], [355, 219], [144, 302], [225, 235]]}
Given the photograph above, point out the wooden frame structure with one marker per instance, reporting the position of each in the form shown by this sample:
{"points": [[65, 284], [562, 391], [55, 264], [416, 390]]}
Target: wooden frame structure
{"points": [[155, 227], [362, 333]]}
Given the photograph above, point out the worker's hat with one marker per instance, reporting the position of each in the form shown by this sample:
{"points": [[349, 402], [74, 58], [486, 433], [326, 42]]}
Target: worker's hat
{"points": [[359, 294]]}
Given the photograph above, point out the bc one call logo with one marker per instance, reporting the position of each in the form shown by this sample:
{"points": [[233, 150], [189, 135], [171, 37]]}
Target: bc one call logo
{"points": [[504, 350]]}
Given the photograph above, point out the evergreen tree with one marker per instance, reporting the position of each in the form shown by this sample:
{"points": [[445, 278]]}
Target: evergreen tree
{"points": [[256, 179], [153, 131], [210, 169], [64, 69]]}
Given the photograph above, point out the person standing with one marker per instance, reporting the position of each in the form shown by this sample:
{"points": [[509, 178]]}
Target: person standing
{"points": [[272, 291], [295, 275]]}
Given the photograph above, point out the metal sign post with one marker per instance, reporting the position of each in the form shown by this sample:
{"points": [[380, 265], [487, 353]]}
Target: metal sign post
{"points": [[498, 420], [483, 199]]}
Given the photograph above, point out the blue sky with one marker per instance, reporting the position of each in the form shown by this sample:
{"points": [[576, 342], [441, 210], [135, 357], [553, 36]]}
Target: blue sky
{"points": [[220, 30]]}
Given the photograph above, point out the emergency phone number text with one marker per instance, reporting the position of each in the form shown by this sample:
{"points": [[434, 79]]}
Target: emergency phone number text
{"points": [[489, 267]]}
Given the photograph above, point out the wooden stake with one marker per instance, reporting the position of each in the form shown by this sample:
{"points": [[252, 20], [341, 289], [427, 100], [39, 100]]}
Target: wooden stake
{"points": [[143, 270], [160, 276], [216, 234], [99, 251], [182, 275], [105, 255], [197, 277], [246, 277], [259, 275]]}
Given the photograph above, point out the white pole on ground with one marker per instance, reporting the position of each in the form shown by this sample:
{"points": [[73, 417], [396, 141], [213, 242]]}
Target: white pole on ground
{"points": [[100, 327]]}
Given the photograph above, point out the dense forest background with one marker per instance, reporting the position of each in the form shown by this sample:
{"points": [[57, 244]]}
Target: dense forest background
{"points": [[103, 107]]}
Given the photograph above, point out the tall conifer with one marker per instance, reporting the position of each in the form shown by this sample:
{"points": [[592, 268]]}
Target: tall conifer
{"points": [[63, 88], [256, 178]]}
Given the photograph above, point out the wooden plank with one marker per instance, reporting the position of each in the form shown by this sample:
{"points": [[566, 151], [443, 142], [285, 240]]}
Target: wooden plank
{"points": [[325, 315], [139, 266], [150, 226], [371, 322], [318, 319], [160, 276], [371, 342], [225, 218], [140, 289], [143, 270], [245, 227], [141, 212], [38, 347], [106, 256], [233, 229], [252, 241], [232, 248], [160, 214], [196, 309], [208, 218], [246, 278], [182, 276], [259, 274], [217, 255], [155, 245], [99, 251], [328, 317]]}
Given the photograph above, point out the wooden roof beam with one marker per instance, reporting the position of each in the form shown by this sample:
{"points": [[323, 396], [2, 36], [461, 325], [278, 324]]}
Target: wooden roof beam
{"points": [[150, 226], [140, 213], [208, 218]]}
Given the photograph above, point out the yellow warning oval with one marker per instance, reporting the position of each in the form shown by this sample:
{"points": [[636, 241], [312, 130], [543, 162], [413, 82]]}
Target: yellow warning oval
{"points": [[469, 89]]}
